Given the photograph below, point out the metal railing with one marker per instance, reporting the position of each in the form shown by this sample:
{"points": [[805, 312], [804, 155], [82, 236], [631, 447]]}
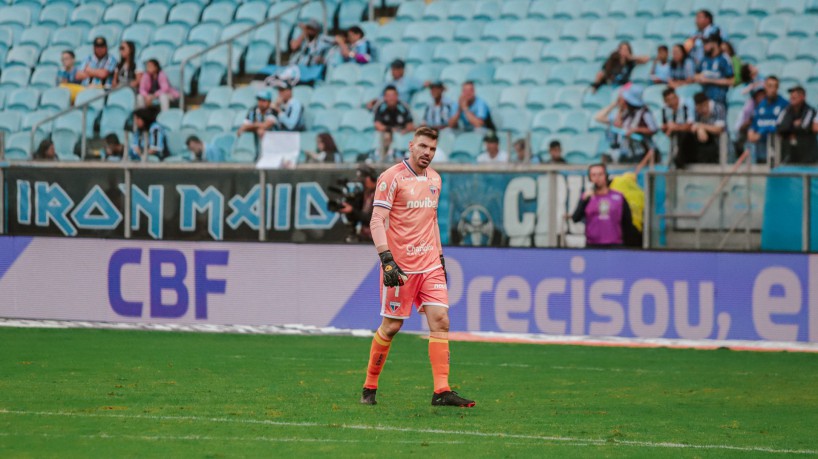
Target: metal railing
{"points": [[84, 107], [229, 43]]}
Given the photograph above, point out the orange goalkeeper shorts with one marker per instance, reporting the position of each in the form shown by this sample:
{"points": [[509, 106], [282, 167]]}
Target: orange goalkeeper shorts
{"points": [[423, 289]]}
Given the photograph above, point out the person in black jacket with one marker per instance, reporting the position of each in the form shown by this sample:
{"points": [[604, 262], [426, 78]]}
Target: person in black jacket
{"points": [[798, 126]]}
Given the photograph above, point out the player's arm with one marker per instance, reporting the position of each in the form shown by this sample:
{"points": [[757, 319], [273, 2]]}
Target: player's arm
{"points": [[440, 248], [393, 275]]}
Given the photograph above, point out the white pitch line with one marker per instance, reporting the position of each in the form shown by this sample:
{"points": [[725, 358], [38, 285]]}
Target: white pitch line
{"points": [[573, 440]]}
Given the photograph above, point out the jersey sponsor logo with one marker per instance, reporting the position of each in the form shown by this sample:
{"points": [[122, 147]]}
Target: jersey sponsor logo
{"points": [[422, 204], [413, 250]]}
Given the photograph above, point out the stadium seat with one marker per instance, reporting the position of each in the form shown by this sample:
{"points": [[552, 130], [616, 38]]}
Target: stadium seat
{"points": [[327, 121], [267, 34], [468, 32], [806, 49], [436, 11], [16, 16], [508, 74], [602, 30], [349, 98], [630, 29], [774, 26], [244, 98], [252, 11], [436, 32], [121, 14], [70, 122], [771, 67], [513, 97], [196, 119], [490, 94], [586, 73], [24, 55], [541, 10], [68, 37], [454, 75], [753, 50], [277, 8], [185, 13], [678, 8], [569, 97], [554, 52], [18, 146], [23, 100], [527, 52], [36, 36], [54, 15], [514, 9], [390, 32], [796, 73], [10, 121], [760, 7], [204, 34], [650, 8], [486, 10], [371, 75], [244, 149], [410, 12], [14, 77], [32, 119], [734, 7], [574, 122], [661, 28], [743, 27], [445, 53], [89, 15], [219, 13], [357, 120], [351, 13], [220, 120], [257, 56], [583, 52], [496, 31], [782, 49], [139, 34], [575, 30], [472, 53], [111, 33], [161, 52], [529, 30], [344, 74], [155, 14], [211, 75], [323, 97], [218, 98], [500, 52], [233, 30], [803, 26], [94, 109], [541, 97], [172, 35], [113, 121], [420, 52], [428, 72], [57, 99], [622, 9], [170, 119], [514, 120], [470, 143], [562, 75], [391, 51], [533, 74], [565, 10]]}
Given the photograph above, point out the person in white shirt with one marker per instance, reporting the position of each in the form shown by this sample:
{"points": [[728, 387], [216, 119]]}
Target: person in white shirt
{"points": [[492, 153]]}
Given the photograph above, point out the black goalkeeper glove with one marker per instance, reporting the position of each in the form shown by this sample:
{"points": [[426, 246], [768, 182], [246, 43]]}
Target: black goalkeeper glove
{"points": [[443, 263], [393, 276]]}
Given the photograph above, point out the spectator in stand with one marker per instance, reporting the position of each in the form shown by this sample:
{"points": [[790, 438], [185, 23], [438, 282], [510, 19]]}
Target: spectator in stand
{"points": [[97, 70], [677, 119], [730, 53], [660, 70], [199, 152], [310, 46], [113, 147], [356, 48], [154, 86], [631, 127], [392, 114], [555, 153], [127, 71], [261, 118], [607, 215], [520, 153], [715, 72], [327, 151], [438, 113], [472, 111], [146, 128], [492, 153], [67, 76], [289, 112], [46, 152], [708, 125], [765, 118], [333, 57], [617, 68], [705, 29], [682, 67], [385, 152], [406, 85], [745, 119], [798, 126], [750, 76]]}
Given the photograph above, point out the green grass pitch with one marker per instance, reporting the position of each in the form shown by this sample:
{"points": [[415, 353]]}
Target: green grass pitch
{"points": [[104, 393]]}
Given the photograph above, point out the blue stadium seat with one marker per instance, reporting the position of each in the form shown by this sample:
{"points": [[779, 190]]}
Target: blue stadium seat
{"points": [[18, 146], [541, 97], [649, 8], [680, 31], [592, 10], [661, 28], [32, 119], [806, 49], [565, 10], [211, 75], [641, 74], [10, 121], [6, 38], [527, 52], [733, 7], [678, 8], [111, 32], [244, 98], [279, 7], [196, 119], [644, 47], [252, 11], [313, 11], [445, 53], [170, 119], [185, 13], [770, 67], [94, 109], [782, 49], [742, 27], [351, 13], [36, 36], [420, 52], [753, 50], [155, 14], [161, 52], [555, 52], [219, 13], [796, 73], [68, 37], [436, 11], [794, 7], [16, 18], [172, 35], [528, 30], [89, 15], [514, 9], [428, 72], [456, 74], [533, 74], [220, 120], [391, 51], [630, 29], [344, 74], [812, 6], [496, 31], [218, 98], [57, 99], [70, 122], [14, 77], [622, 9], [327, 120], [540, 9], [512, 119], [469, 143], [513, 97], [113, 121], [481, 73], [586, 73], [410, 12], [139, 33], [22, 55], [390, 32], [500, 53], [760, 8], [357, 120], [54, 15], [575, 30], [583, 52], [508, 74], [562, 75], [774, 26], [204, 34], [349, 98], [121, 14], [486, 10], [371, 75], [244, 150], [574, 122], [569, 97], [490, 94], [23, 99], [233, 30], [267, 34], [258, 56], [687, 91], [602, 30], [468, 32], [323, 97], [185, 51], [473, 53], [435, 32], [803, 26]]}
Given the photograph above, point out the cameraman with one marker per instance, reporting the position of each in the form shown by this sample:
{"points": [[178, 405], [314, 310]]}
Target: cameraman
{"points": [[359, 209]]}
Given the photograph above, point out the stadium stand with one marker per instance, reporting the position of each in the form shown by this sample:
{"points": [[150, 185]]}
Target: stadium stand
{"points": [[532, 60]]}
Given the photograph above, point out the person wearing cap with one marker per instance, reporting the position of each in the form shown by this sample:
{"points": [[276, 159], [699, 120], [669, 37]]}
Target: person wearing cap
{"points": [[798, 126], [289, 112], [356, 48], [359, 210], [392, 114], [765, 118], [98, 69], [715, 71], [491, 153], [406, 85], [705, 28], [472, 111], [708, 126], [677, 118], [631, 127], [310, 46], [440, 110], [261, 118]]}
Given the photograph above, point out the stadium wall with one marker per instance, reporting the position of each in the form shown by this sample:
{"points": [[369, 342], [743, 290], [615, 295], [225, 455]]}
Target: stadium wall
{"points": [[767, 297]]}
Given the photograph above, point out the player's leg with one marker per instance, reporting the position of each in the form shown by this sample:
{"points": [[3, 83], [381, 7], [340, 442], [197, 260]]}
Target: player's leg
{"points": [[381, 343], [434, 300]]}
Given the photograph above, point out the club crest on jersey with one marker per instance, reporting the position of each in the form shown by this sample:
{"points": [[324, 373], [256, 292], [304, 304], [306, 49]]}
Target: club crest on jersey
{"points": [[433, 189], [394, 305], [382, 186]]}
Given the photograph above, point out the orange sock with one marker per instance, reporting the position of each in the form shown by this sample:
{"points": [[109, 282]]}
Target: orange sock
{"points": [[439, 356], [377, 357]]}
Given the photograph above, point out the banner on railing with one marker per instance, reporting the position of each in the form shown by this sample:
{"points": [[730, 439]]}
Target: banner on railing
{"points": [[768, 297]]}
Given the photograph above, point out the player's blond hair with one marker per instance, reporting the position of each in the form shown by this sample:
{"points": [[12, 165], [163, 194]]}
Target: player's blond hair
{"points": [[425, 131]]}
